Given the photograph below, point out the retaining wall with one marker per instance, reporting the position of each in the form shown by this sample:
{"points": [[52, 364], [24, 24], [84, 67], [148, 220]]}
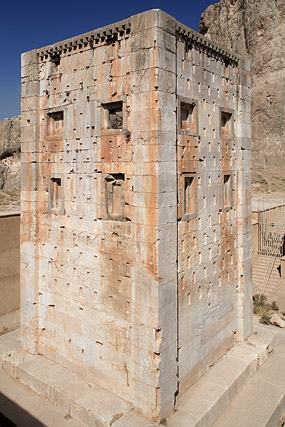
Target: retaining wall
{"points": [[9, 262]]}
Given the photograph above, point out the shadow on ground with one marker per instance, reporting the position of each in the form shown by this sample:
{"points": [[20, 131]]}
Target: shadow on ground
{"points": [[12, 415]]}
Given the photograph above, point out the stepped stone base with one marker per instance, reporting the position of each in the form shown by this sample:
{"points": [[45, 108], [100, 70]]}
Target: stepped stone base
{"points": [[82, 400], [92, 405], [261, 403], [206, 400]]}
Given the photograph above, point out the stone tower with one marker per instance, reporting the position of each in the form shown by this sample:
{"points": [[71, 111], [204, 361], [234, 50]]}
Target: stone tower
{"points": [[136, 206]]}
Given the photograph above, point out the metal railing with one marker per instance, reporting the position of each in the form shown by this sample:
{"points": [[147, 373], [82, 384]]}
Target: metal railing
{"points": [[271, 231], [271, 241]]}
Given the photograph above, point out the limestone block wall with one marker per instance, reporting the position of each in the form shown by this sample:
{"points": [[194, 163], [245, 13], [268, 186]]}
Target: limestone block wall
{"points": [[91, 141], [217, 227], [135, 235], [9, 262]]}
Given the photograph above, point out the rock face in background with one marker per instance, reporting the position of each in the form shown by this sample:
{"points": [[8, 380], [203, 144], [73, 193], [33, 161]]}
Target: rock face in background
{"points": [[10, 148], [255, 28]]}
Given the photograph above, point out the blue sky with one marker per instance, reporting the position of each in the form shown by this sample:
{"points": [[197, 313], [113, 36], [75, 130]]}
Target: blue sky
{"points": [[26, 25]]}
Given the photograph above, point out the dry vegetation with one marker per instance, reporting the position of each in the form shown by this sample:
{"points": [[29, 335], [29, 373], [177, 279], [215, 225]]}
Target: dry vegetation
{"points": [[263, 309]]}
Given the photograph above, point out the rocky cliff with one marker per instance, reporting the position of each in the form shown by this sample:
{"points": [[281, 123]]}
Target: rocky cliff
{"points": [[256, 29], [10, 147]]}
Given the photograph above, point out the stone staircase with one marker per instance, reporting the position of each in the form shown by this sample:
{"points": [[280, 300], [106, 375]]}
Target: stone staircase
{"points": [[260, 271], [281, 217]]}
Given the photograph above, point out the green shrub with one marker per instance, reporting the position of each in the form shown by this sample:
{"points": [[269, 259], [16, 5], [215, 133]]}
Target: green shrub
{"points": [[265, 319], [274, 306], [260, 304]]}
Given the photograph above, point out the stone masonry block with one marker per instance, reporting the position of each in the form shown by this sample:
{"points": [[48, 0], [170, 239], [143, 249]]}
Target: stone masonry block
{"points": [[135, 212]]}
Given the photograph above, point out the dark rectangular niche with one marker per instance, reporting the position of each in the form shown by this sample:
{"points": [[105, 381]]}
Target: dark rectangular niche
{"points": [[226, 124], [227, 189], [187, 117], [115, 196], [55, 124], [113, 115], [189, 196], [56, 195]]}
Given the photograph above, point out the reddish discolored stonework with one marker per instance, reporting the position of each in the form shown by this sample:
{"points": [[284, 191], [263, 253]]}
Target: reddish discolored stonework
{"points": [[135, 207]]}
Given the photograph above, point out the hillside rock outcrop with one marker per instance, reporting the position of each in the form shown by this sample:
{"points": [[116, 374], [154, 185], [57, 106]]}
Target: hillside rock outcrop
{"points": [[10, 150], [255, 29]]}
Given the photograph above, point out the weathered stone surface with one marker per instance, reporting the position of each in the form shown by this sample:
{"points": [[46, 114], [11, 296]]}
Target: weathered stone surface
{"points": [[89, 404], [136, 206], [9, 262], [10, 147], [277, 321], [256, 28]]}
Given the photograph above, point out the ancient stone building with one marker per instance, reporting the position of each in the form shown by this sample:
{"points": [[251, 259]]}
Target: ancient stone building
{"points": [[136, 206]]}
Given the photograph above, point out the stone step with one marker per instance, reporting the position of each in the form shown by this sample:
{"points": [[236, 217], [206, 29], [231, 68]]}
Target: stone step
{"points": [[84, 401], [260, 279], [273, 282], [261, 403], [91, 405], [24, 408], [275, 279], [264, 269], [259, 270], [271, 287], [271, 294], [260, 274], [205, 401], [264, 263]]}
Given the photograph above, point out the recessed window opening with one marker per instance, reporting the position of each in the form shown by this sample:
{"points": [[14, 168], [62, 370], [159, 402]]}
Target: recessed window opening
{"points": [[112, 39], [188, 51], [114, 119], [55, 59], [227, 191], [188, 117], [189, 196], [115, 196], [226, 124], [55, 123], [55, 194]]}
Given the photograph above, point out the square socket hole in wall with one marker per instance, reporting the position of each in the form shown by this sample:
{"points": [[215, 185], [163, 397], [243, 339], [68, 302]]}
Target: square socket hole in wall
{"points": [[55, 124], [187, 117], [227, 190], [226, 124], [189, 195], [113, 115], [115, 196]]}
